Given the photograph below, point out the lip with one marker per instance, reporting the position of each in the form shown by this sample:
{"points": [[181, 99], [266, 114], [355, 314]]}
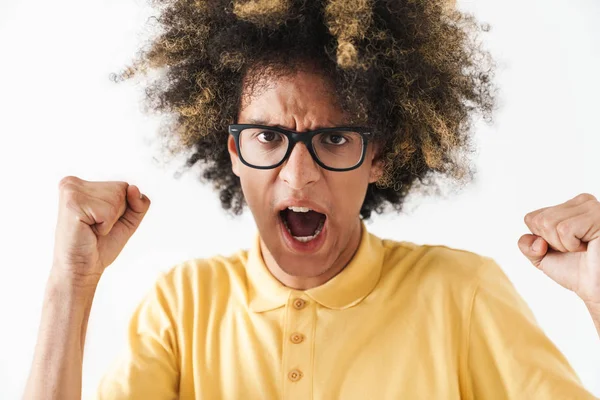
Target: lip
{"points": [[300, 247], [301, 203]]}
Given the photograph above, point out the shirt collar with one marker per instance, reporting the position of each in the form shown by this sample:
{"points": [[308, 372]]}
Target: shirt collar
{"points": [[346, 289]]}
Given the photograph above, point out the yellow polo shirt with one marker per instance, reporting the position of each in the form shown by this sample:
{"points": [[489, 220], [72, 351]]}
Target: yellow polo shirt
{"points": [[400, 321]]}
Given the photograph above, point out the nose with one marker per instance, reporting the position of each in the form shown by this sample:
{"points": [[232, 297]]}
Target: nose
{"points": [[300, 170]]}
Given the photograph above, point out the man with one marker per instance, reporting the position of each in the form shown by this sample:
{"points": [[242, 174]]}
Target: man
{"points": [[314, 115]]}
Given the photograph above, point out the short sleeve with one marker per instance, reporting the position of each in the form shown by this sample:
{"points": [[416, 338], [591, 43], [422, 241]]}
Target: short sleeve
{"points": [[508, 354], [148, 369]]}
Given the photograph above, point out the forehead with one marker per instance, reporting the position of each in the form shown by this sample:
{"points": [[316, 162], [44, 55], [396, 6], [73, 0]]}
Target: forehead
{"points": [[301, 100]]}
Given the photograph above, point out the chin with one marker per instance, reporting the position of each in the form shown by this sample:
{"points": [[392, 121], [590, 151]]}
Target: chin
{"points": [[303, 267]]}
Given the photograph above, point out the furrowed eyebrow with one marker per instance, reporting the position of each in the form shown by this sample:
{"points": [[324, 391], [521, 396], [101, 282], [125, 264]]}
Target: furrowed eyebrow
{"points": [[258, 121]]}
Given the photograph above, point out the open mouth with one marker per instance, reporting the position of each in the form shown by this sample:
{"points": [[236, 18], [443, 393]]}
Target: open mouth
{"points": [[302, 223]]}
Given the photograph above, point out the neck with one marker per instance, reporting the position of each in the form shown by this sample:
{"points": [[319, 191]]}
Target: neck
{"points": [[308, 282]]}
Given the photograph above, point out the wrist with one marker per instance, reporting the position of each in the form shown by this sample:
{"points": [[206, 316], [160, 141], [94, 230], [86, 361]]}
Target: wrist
{"points": [[67, 284], [594, 309]]}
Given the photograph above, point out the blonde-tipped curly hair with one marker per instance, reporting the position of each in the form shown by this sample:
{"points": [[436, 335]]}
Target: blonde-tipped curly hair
{"points": [[413, 70]]}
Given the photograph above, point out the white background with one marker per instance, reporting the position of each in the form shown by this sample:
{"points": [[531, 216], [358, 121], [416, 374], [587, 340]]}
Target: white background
{"points": [[60, 115]]}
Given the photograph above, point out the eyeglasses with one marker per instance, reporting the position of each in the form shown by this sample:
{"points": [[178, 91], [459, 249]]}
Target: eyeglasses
{"points": [[335, 149]]}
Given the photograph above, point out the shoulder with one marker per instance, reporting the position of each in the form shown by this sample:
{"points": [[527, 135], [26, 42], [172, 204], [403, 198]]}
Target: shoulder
{"points": [[439, 268], [437, 259], [213, 279], [445, 272]]}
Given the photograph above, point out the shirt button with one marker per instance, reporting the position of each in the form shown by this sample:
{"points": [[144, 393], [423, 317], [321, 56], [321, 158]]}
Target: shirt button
{"points": [[299, 304], [297, 338], [295, 375]]}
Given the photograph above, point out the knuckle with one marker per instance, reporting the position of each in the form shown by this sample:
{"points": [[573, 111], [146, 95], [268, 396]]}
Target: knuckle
{"points": [[73, 199], [585, 197], [116, 206], [67, 181], [564, 228], [120, 195], [70, 193], [112, 212], [544, 222], [594, 205]]}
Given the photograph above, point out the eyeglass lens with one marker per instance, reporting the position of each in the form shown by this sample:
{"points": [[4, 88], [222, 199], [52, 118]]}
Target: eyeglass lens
{"points": [[335, 149]]}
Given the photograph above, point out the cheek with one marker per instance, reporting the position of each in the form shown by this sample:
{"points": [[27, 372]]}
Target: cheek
{"points": [[349, 191], [256, 187]]}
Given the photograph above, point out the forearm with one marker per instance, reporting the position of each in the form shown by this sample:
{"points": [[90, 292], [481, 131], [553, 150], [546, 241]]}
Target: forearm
{"points": [[594, 310], [56, 371]]}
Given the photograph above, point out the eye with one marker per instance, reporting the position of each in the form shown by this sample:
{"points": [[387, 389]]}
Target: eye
{"points": [[268, 137], [335, 139]]}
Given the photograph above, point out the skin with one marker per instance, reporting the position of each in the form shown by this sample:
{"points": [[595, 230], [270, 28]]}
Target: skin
{"points": [[568, 236], [96, 219], [302, 102]]}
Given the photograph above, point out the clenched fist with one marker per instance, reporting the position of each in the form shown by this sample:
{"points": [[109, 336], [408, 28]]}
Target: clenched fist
{"points": [[95, 221]]}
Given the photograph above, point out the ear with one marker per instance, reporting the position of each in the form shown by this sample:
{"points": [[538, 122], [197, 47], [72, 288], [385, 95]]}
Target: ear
{"points": [[376, 164], [235, 159]]}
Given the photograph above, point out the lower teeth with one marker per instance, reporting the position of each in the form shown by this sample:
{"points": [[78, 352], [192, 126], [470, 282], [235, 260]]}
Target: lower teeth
{"points": [[305, 239]]}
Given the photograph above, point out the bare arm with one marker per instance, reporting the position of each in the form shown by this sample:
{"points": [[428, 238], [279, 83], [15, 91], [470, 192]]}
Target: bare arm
{"points": [[56, 371], [95, 221], [594, 310]]}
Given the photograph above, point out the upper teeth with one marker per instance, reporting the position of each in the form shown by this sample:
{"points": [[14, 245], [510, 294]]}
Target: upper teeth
{"points": [[299, 209]]}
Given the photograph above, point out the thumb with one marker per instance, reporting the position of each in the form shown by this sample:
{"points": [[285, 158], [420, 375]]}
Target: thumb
{"points": [[137, 206], [560, 267], [534, 248]]}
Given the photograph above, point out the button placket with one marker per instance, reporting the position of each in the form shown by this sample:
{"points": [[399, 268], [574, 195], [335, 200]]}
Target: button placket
{"points": [[298, 346]]}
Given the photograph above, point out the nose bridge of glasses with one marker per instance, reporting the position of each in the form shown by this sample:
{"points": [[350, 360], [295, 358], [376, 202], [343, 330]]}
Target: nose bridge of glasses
{"points": [[268, 147], [300, 143], [300, 167], [303, 137]]}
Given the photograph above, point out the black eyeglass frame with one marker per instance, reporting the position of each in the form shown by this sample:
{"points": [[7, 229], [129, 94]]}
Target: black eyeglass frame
{"points": [[304, 137]]}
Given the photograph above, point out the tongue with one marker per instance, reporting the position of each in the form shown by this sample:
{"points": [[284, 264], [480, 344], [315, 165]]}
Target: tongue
{"points": [[303, 224]]}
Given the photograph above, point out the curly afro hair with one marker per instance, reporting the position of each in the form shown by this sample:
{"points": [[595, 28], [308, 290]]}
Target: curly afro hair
{"points": [[413, 70]]}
